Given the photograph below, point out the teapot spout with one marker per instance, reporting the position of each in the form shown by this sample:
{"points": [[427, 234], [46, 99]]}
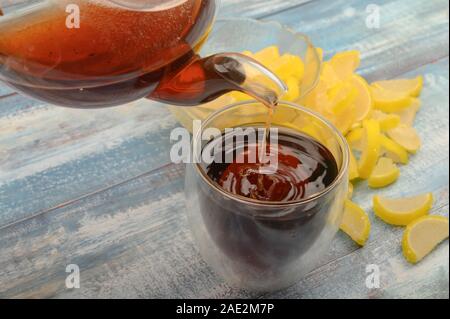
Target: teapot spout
{"points": [[203, 80]]}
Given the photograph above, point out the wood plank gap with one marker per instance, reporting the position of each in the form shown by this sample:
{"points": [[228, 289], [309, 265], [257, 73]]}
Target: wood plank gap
{"points": [[84, 196], [416, 67], [284, 10], [8, 95]]}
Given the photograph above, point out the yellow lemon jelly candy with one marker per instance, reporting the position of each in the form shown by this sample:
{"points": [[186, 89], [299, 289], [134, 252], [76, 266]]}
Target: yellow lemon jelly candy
{"points": [[411, 87], [363, 101], [355, 223], [387, 121], [407, 137], [393, 150], [402, 211], [408, 115], [422, 236], [353, 167], [371, 148], [389, 101], [384, 174], [346, 63]]}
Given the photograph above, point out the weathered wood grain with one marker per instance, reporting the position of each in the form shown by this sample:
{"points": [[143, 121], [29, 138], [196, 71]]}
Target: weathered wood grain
{"points": [[13, 103], [95, 188], [257, 8], [410, 33], [143, 218], [132, 239], [52, 155], [146, 251], [5, 90]]}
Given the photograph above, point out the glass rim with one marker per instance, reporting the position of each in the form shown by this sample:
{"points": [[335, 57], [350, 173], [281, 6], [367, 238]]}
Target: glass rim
{"points": [[271, 204], [298, 35]]}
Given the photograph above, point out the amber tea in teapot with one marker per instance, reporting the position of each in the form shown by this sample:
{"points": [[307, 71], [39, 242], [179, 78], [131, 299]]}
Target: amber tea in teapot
{"points": [[115, 54]]}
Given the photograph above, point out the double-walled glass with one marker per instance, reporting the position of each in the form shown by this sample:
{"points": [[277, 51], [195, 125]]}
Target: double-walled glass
{"points": [[260, 245]]}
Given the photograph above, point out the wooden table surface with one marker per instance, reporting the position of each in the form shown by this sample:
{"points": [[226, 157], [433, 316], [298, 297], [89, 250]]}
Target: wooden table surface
{"points": [[96, 188]]}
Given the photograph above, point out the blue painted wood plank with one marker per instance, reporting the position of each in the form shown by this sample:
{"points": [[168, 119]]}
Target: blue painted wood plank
{"points": [[132, 240], [257, 8], [411, 33], [90, 151], [143, 218], [53, 155], [13, 103], [5, 90]]}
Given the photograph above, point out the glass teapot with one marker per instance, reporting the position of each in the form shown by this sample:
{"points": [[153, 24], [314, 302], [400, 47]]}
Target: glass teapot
{"points": [[98, 53]]}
